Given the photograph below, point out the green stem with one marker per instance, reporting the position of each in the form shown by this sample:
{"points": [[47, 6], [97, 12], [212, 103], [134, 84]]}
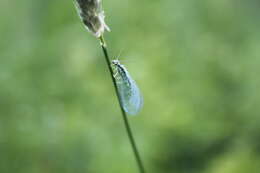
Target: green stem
{"points": [[126, 123]]}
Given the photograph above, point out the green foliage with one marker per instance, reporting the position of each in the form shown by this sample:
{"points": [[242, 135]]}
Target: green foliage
{"points": [[196, 63]]}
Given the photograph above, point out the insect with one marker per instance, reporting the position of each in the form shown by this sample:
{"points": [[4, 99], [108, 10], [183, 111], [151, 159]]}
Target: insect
{"points": [[130, 95]]}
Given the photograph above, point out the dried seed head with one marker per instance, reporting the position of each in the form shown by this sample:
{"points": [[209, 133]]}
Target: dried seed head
{"points": [[92, 15]]}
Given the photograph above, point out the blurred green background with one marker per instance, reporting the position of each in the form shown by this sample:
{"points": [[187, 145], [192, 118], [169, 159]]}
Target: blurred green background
{"points": [[196, 62]]}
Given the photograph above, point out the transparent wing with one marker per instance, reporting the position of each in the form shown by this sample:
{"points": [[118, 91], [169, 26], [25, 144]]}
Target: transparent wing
{"points": [[129, 92]]}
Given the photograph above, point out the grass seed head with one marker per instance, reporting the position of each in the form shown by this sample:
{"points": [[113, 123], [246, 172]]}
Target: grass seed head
{"points": [[92, 15]]}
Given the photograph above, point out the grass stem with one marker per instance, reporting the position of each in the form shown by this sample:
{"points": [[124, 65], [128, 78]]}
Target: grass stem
{"points": [[125, 118]]}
